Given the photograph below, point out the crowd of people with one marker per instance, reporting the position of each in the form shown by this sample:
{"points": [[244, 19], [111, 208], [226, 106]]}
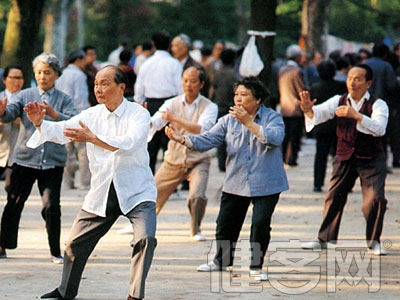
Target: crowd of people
{"points": [[110, 121]]}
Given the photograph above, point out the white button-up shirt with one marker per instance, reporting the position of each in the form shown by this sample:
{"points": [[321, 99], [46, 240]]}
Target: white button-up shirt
{"points": [[374, 125], [126, 128], [160, 76]]}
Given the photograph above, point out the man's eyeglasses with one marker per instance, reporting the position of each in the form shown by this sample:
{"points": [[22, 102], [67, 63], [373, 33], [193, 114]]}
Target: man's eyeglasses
{"points": [[16, 77]]}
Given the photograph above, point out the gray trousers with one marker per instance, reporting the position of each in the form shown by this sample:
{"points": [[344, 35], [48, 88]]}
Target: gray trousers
{"points": [[87, 230]]}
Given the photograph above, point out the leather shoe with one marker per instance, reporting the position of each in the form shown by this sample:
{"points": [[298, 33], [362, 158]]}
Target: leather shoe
{"points": [[3, 253], [317, 189], [314, 245], [53, 295]]}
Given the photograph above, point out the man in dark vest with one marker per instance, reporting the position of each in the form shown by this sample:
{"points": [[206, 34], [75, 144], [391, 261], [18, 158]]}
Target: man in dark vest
{"points": [[361, 123]]}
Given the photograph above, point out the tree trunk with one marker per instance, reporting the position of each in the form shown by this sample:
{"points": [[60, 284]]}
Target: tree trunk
{"points": [[22, 34], [314, 24], [56, 26], [263, 18]]}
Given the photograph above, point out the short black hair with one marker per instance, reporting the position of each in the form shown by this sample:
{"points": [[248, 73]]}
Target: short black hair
{"points": [[228, 57], [326, 69], [161, 40], [257, 87], [9, 68], [88, 47], [369, 73]]}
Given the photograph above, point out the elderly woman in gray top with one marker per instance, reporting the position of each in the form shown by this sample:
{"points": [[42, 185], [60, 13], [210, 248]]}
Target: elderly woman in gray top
{"points": [[44, 164], [254, 172]]}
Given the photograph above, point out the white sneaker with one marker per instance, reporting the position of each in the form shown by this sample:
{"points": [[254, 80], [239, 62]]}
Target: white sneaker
{"points": [[259, 275], [314, 245], [57, 260], [210, 267], [198, 237], [127, 230], [377, 250]]}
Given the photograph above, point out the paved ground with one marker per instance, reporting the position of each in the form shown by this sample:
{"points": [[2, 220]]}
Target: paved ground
{"points": [[28, 273]]}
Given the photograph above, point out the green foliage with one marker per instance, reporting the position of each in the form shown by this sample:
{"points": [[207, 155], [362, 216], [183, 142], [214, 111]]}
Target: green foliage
{"points": [[288, 25], [107, 22], [354, 23]]}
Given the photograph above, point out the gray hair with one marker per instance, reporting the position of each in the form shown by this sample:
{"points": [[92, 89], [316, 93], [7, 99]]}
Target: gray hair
{"points": [[50, 59], [293, 51], [185, 39]]}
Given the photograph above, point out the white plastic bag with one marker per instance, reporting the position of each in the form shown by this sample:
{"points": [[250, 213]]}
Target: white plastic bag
{"points": [[251, 64]]}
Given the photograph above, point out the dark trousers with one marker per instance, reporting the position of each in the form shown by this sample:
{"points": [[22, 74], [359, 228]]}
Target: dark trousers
{"points": [[326, 144], [86, 233], [21, 183], [372, 175], [159, 140], [232, 213], [292, 142]]}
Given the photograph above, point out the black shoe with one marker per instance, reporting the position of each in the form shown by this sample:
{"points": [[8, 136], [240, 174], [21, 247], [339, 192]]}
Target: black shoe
{"points": [[396, 164], [54, 295], [3, 253], [317, 189]]}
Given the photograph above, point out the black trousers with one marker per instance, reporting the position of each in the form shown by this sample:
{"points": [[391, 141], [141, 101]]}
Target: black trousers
{"points": [[159, 140], [372, 175], [292, 142], [326, 144], [21, 183], [232, 213]]}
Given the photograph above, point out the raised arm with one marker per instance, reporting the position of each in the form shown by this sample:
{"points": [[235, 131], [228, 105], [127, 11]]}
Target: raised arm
{"points": [[306, 104]]}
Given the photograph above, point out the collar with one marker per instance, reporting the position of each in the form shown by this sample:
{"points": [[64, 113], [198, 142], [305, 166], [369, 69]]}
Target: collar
{"points": [[49, 92], [118, 111], [183, 61], [366, 97], [258, 113], [195, 102]]}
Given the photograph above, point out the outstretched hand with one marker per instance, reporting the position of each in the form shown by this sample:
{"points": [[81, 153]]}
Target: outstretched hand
{"points": [[35, 113], [306, 104], [83, 134]]}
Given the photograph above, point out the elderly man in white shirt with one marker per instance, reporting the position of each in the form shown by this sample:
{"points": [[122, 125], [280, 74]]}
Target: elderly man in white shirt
{"points": [[116, 135]]}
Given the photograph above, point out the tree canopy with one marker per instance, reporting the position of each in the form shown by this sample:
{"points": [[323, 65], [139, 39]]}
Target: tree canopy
{"points": [[106, 22]]}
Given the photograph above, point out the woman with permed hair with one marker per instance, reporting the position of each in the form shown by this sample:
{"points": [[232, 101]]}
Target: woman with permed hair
{"points": [[254, 172]]}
